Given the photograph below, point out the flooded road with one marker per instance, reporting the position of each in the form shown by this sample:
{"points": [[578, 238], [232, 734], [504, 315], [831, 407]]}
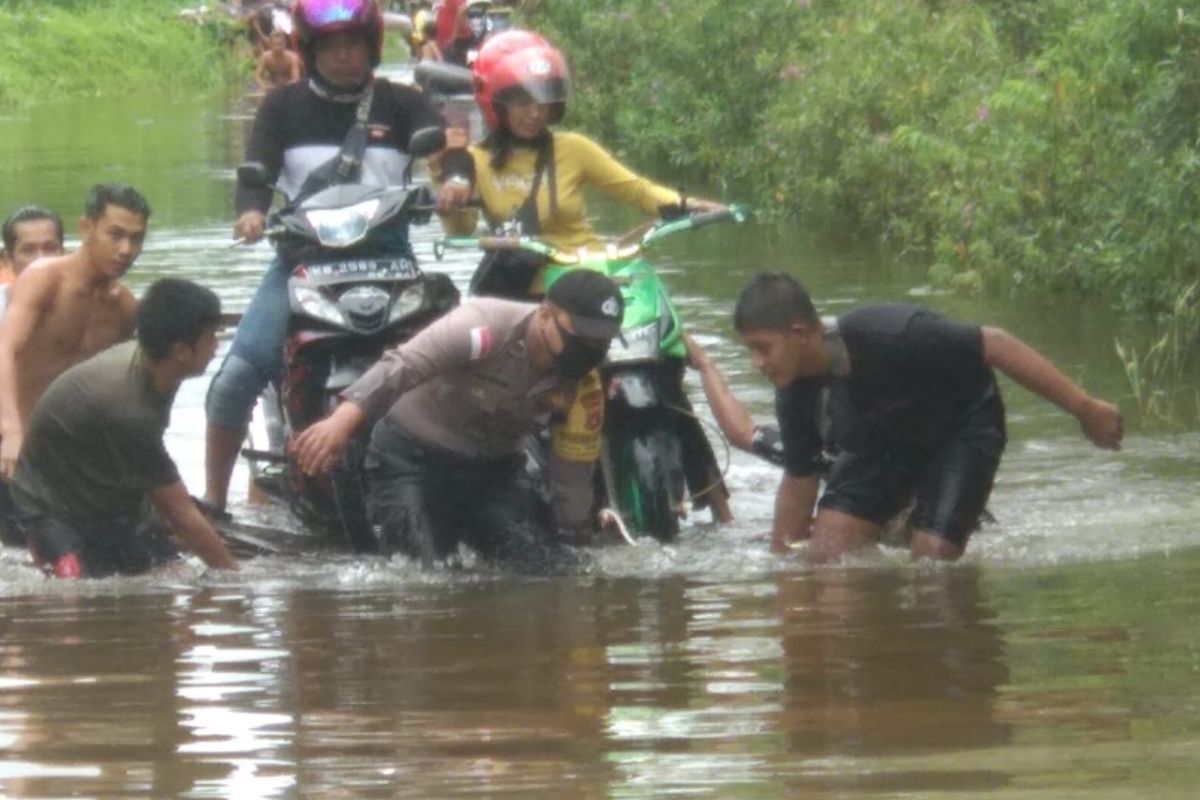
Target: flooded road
{"points": [[1058, 660]]}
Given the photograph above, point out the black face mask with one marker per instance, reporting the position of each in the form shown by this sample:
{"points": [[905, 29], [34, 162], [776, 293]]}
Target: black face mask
{"points": [[578, 356]]}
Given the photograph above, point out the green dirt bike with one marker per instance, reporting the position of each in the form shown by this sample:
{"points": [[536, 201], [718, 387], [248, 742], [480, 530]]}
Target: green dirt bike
{"points": [[653, 449]]}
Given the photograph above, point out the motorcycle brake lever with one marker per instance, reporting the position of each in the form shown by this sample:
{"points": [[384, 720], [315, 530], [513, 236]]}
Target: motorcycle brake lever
{"points": [[242, 241]]}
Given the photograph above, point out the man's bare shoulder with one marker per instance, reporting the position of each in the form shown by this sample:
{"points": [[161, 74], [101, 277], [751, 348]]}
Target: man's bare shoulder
{"points": [[56, 264], [40, 279]]}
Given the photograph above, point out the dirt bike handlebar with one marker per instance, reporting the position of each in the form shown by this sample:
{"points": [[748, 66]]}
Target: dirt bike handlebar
{"points": [[733, 213], [660, 230]]}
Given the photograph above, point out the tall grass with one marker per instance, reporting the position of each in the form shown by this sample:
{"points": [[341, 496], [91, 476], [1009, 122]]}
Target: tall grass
{"points": [[1159, 377], [55, 49]]}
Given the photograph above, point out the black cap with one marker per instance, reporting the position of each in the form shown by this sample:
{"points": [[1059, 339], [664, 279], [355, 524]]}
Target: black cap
{"points": [[591, 300]]}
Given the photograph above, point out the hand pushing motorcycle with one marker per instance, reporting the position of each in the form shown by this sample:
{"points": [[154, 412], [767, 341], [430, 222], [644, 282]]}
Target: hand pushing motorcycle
{"points": [[355, 290], [653, 454]]}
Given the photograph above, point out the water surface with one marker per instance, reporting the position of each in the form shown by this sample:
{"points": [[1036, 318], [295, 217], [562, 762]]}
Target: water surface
{"points": [[1057, 660]]}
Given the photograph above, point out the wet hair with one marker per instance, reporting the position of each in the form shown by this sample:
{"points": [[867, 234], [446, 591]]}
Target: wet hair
{"points": [[174, 310], [29, 214], [501, 142], [103, 195], [773, 301]]}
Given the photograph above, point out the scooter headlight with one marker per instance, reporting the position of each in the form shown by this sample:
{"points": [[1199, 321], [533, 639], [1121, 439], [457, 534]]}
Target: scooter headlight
{"points": [[342, 227], [317, 305], [409, 301], [641, 344]]}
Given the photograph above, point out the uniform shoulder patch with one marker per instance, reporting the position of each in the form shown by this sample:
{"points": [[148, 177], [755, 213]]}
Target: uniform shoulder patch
{"points": [[481, 342]]}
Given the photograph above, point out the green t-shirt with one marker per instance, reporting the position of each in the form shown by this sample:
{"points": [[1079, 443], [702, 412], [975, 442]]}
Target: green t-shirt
{"points": [[94, 448]]}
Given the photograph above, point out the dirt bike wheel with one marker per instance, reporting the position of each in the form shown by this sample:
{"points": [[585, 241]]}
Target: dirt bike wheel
{"points": [[650, 483]]}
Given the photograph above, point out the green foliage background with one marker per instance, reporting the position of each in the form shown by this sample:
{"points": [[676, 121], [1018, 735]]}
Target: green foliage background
{"points": [[1047, 143], [55, 49]]}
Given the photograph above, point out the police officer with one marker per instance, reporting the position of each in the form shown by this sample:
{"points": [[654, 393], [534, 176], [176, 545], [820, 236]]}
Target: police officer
{"points": [[451, 411]]}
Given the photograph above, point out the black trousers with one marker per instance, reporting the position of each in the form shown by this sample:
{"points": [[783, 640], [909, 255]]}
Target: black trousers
{"points": [[424, 502], [10, 531]]}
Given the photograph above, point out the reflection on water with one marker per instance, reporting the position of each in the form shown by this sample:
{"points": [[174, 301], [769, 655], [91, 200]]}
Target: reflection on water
{"points": [[1059, 659], [829, 683], [892, 664]]}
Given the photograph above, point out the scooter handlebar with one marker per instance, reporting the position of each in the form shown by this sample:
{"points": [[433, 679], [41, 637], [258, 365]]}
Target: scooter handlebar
{"points": [[711, 217], [443, 78]]}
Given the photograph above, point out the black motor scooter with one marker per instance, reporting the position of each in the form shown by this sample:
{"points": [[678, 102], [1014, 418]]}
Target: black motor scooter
{"points": [[355, 291]]}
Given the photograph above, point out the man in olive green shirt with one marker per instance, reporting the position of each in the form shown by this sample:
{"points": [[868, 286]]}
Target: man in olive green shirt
{"points": [[95, 489]]}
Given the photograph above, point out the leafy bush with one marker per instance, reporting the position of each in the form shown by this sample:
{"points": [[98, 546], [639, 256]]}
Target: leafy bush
{"points": [[1006, 143], [679, 81]]}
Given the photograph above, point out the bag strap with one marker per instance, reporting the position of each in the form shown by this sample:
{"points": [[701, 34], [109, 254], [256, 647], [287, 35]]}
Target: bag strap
{"points": [[545, 164], [527, 214], [354, 148]]}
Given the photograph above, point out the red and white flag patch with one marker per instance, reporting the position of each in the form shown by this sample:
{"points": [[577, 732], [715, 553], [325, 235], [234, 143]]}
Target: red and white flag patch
{"points": [[481, 343]]}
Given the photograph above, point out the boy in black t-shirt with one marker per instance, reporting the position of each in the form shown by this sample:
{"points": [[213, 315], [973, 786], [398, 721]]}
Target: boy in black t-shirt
{"points": [[913, 412]]}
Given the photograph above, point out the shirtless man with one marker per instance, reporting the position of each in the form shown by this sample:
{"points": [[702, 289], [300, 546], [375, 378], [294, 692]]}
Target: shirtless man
{"points": [[277, 66], [63, 310], [29, 233]]}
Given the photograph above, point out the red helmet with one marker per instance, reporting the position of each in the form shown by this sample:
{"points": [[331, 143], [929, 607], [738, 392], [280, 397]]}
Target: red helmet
{"points": [[312, 19], [520, 60]]}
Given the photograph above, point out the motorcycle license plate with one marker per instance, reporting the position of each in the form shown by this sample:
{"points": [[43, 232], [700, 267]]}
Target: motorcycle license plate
{"points": [[367, 268]]}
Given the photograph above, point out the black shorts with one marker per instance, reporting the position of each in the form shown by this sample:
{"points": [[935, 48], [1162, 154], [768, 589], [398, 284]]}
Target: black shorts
{"points": [[949, 485], [68, 550]]}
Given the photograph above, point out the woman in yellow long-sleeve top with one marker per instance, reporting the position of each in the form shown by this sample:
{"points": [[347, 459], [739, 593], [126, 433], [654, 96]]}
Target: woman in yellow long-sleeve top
{"points": [[529, 180], [505, 168]]}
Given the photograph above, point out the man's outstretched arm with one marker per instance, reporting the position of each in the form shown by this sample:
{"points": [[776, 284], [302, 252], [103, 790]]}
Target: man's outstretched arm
{"points": [[1101, 421], [732, 417], [793, 511], [260, 74], [30, 295], [191, 526]]}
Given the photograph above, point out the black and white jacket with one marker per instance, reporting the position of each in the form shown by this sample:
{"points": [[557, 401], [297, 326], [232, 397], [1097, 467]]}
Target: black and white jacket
{"points": [[297, 130]]}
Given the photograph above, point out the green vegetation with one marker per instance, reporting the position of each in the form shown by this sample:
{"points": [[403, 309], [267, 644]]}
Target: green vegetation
{"points": [[1010, 145], [1159, 374], [55, 49], [1048, 144]]}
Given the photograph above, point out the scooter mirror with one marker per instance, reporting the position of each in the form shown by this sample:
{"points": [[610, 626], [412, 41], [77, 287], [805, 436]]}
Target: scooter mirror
{"points": [[253, 175], [423, 142], [437, 77]]}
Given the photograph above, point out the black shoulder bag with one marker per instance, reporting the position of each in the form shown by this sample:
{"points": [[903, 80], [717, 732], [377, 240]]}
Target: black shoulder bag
{"points": [[510, 273]]}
